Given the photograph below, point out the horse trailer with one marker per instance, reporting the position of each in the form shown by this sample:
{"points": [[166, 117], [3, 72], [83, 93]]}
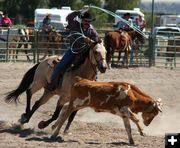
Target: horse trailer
{"points": [[58, 17], [134, 14]]}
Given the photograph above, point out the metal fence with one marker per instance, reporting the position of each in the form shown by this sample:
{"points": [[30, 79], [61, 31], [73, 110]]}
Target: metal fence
{"points": [[33, 52], [167, 50]]}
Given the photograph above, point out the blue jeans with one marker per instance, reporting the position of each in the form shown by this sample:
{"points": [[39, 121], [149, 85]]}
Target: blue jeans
{"points": [[65, 61]]}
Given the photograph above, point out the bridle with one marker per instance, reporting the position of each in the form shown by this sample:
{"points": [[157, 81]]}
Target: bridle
{"points": [[97, 62]]}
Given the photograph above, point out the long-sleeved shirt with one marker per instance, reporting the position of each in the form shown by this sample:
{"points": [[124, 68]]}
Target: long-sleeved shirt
{"points": [[123, 25], [6, 21]]}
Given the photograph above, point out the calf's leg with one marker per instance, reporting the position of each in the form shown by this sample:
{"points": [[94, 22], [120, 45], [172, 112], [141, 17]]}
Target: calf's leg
{"points": [[64, 114]]}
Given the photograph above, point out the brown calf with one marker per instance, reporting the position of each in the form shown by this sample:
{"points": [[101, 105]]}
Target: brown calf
{"points": [[114, 97]]}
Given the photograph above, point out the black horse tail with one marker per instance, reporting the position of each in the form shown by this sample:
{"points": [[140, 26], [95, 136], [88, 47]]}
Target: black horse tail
{"points": [[107, 46], [23, 86], [106, 42]]}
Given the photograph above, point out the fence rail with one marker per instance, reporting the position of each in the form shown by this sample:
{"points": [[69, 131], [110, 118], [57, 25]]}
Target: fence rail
{"points": [[10, 49]]}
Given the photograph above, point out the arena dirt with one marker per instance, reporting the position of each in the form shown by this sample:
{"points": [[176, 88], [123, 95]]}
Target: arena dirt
{"points": [[90, 129]]}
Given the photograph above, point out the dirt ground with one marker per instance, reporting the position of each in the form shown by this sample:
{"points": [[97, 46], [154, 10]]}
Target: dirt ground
{"points": [[91, 129]]}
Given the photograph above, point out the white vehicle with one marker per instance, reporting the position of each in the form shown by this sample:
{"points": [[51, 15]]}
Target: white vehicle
{"points": [[58, 17], [163, 34], [134, 14], [170, 20]]}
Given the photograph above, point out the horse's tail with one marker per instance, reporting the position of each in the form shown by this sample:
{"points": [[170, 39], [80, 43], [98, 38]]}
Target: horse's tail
{"points": [[23, 86], [107, 42]]}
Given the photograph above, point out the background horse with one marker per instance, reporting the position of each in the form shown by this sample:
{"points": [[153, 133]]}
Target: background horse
{"points": [[137, 39], [117, 41], [47, 43], [23, 41], [13, 36], [120, 41], [173, 50], [39, 77]]}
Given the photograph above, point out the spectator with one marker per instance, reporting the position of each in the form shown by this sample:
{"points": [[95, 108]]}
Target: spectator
{"points": [[1, 16], [123, 25], [141, 23], [47, 23], [6, 21]]}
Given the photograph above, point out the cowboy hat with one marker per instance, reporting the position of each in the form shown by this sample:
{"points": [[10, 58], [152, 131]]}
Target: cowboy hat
{"points": [[87, 17], [127, 14]]}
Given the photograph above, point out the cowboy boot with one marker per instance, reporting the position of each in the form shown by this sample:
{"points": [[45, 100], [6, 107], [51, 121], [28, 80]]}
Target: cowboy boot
{"points": [[54, 84]]}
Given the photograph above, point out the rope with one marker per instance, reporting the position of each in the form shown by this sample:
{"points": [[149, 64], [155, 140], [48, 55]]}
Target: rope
{"points": [[117, 16], [77, 50]]}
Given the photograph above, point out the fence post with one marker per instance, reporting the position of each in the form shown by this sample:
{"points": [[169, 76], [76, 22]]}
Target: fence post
{"points": [[151, 50], [7, 44]]}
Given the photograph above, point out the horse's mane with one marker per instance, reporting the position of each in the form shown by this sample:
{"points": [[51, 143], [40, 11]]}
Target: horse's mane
{"points": [[79, 60]]}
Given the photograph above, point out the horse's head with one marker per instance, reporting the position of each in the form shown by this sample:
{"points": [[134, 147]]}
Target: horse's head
{"points": [[98, 56], [154, 108], [139, 37], [55, 38], [23, 35], [135, 35]]}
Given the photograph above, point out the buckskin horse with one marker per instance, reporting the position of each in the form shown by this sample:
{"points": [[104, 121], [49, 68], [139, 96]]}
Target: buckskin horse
{"points": [[39, 77], [121, 41]]}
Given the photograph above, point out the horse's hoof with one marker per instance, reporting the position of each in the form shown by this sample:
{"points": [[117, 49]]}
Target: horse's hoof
{"points": [[41, 125], [53, 137], [23, 119], [56, 138], [142, 134]]}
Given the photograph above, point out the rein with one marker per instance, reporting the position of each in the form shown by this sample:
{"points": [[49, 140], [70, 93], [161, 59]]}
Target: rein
{"points": [[97, 61]]}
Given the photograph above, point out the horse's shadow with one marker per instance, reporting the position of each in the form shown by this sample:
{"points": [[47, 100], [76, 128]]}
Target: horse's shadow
{"points": [[120, 143], [49, 140], [61, 140], [16, 129]]}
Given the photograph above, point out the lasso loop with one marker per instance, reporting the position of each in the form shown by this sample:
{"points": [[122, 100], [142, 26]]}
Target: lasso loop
{"points": [[123, 20], [80, 49]]}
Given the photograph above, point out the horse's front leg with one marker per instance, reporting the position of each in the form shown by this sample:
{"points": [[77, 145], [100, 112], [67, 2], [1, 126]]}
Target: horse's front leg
{"points": [[119, 56], [26, 52], [19, 46]]}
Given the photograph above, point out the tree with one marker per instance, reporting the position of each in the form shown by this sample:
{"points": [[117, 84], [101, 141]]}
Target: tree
{"points": [[23, 8]]}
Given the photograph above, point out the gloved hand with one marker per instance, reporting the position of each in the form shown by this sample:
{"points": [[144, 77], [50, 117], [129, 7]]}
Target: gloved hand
{"points": [[88, 40], [84, 9]]}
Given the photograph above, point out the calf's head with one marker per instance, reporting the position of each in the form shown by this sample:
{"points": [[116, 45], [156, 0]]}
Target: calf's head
{"points": [[153, 109]]}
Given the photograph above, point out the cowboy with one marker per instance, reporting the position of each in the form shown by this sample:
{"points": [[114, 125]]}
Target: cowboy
{"points": [[1, 16], [125, 25], [83, 20], [47, 23]]}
